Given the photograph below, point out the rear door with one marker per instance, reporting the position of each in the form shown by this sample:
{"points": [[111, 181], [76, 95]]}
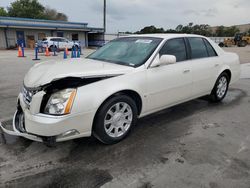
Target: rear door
{"points": [[205, 64], [170, 84]]}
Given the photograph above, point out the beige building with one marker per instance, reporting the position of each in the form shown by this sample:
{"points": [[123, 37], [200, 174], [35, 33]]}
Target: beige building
{"points": [[23, 31]]}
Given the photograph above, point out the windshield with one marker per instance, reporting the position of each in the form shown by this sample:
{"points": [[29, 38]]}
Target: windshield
{"points": [[130, 51]]}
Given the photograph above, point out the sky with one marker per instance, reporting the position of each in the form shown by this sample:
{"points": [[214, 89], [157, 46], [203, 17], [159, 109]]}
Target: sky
{"points": [[133, 15]]}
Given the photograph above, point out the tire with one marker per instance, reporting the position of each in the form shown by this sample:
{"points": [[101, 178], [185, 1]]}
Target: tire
{"points": [[221, 44], [220, 88], [244, 43], [114, 119], [52, 48]]}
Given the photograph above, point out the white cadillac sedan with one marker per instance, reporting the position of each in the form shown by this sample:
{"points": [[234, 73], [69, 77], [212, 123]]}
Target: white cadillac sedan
{"points": [[128, 78]]}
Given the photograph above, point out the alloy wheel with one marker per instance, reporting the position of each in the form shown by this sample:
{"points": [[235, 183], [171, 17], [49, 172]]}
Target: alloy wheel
{"points": [[118, 119]]}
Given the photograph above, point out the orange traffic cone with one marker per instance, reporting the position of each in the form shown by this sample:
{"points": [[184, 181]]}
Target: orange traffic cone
{"points": [[67, 51], [20, 53], [47, 52]]}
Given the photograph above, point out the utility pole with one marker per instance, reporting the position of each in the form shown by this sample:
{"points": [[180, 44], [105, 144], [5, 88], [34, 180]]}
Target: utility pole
{"points": [[104, 15]]}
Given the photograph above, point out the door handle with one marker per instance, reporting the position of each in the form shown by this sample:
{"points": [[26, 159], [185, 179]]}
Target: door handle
{"points": [[216, 65], [186, 71]]}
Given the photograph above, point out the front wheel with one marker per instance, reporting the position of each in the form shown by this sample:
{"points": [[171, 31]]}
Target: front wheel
{"points": [[114, 119], [220, 89]]}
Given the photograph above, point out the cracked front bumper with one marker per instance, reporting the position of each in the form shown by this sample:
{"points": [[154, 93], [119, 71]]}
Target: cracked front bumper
{"points": [[41, 127]]}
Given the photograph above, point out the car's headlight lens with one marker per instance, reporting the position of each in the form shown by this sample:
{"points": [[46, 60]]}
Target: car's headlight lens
{"points": [[60, 103]]}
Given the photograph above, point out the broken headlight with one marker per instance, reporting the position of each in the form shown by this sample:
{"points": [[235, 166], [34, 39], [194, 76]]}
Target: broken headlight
{"points": [[60, 103]]}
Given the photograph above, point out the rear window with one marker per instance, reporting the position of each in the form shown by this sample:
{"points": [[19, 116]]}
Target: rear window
{"points": [[210, 50], [198, 48], [54, 39], [44, 39]]}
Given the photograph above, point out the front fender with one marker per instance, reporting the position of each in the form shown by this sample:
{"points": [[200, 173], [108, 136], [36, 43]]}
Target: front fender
{"points": [[90, 97]]}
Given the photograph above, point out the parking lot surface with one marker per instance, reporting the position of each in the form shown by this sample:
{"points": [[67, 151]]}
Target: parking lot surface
{"points": [[195, 144]]}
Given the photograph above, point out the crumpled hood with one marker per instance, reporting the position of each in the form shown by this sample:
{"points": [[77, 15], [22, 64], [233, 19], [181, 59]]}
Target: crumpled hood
{"points": [[48, 71]]}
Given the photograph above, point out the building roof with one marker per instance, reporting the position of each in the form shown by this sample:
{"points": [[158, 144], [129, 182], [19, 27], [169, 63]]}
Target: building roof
{"points": [[15, 22]]}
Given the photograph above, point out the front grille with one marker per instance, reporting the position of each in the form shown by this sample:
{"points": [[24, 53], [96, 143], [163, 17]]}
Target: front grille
{"points": [[28, 94]]}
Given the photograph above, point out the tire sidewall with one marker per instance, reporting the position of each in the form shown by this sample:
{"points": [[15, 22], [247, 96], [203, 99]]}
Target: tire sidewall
{"points": [[214, 92], [52, 48], [98, 127]]}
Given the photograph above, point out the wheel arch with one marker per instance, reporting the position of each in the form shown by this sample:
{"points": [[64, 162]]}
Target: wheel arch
{"points": [[227, 71], [131, 93]]}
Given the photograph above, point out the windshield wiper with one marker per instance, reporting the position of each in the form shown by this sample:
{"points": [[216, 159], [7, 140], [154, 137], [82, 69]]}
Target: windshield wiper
{"points": [[114, 62]]}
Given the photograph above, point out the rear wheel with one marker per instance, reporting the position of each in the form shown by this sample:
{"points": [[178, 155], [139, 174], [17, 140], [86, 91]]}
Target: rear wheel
{"points": [[115, 119], [221, 44], [242, 43], [220, 89], [53, 48]]}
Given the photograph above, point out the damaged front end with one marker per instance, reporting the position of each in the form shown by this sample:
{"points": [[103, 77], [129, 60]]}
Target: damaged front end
{"points": [[31, 108]]}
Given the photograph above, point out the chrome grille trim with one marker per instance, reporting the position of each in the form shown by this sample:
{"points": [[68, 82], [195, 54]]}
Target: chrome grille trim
{"points": [[28, 94]]}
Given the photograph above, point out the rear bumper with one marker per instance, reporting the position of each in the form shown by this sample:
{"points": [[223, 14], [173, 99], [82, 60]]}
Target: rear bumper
{"points": [[41, 127]]}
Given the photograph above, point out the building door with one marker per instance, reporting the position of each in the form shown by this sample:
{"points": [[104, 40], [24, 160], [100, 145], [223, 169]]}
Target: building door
{"points": [[30, 41], [20, 38]]}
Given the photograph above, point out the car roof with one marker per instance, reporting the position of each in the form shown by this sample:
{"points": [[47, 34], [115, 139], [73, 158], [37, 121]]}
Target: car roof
{"points": [[165, 35]]}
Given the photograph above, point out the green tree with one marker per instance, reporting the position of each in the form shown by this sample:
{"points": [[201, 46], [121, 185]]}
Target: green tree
{"points": [[3, 12], [52, 14], [220, 31], [230, 31], [150, 29], [179, 28], [26, 9], [171, 31], [34, 9]]}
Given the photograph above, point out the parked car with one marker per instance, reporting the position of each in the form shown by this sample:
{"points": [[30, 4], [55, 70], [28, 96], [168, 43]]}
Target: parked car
{"points": [[57, 43], [128, 78]]}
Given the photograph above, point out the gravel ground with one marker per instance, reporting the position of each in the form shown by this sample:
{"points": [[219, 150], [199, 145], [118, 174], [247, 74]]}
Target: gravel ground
{"points": [[195, 144]]}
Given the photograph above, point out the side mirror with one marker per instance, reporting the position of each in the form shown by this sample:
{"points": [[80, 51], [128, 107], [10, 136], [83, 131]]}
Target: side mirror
{"points": [[164, 60]]}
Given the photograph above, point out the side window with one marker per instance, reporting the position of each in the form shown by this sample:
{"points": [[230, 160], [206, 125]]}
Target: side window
{"points": [[175, 47], [63, 40], [198, 48], [54, 39], [210, 50]]}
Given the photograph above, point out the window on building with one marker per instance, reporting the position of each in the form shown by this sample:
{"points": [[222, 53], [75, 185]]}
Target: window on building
{"points": [[75, 37], [59, 34]]}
